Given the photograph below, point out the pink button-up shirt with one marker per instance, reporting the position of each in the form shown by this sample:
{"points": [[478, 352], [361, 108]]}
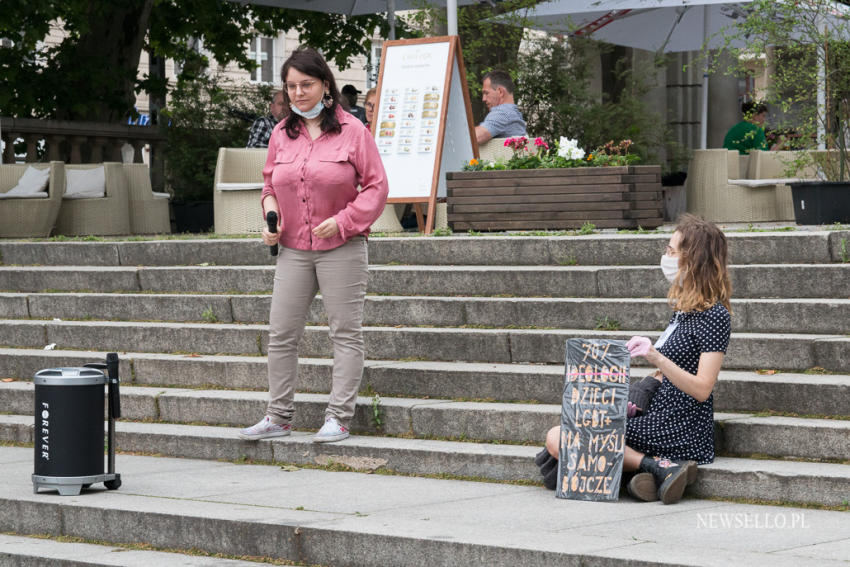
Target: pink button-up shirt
{"points": [[314, 180]]}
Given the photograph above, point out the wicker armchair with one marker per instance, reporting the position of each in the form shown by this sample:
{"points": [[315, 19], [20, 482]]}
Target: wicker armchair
{"points": [[30, 217], [149, 212], [237, 189], [100, 215], [711, 195], [494, 149]]}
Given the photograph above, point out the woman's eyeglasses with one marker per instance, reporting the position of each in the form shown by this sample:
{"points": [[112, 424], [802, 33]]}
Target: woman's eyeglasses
{"points": [[305, 86]]}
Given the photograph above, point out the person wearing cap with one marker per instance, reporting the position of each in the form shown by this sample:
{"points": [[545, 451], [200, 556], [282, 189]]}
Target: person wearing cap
{"points": [[350, 93]]}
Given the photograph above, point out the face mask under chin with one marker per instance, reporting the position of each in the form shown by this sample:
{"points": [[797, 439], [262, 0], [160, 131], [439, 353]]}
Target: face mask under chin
{"points": [[309, 114]]}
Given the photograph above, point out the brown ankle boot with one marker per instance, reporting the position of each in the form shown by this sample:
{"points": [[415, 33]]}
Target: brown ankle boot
{"points": [[671, 478], [642, 487]]}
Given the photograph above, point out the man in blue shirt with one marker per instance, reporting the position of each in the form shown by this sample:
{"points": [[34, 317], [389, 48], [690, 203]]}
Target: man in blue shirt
{"points": [[504, 120]]}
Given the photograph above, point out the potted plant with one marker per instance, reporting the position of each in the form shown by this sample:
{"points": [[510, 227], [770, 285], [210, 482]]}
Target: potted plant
{"points": [[808, 55]]}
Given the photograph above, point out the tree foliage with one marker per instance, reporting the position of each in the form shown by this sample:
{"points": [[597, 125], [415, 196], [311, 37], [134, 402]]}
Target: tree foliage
{"points": [[554, 92], [806, 43], [92, 73], [488, 45], [205, 114]]}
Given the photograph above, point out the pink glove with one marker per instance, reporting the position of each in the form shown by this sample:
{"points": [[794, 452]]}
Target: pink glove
{"points": [[638, 346]]}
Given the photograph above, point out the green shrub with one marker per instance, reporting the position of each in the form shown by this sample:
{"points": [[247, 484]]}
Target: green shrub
{"points": [[205, 114]]}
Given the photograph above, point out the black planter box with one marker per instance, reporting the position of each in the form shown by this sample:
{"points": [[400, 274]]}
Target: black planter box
{"points": [[821, 202]]}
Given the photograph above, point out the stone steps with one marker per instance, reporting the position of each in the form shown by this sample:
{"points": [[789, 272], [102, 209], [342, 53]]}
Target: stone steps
{"points": [[793, 247], [792, 482], [825, 316], [446, 354], [22, 551], [739, 391], [741, 434], [341, 518], [782, 351], [603, 281]]}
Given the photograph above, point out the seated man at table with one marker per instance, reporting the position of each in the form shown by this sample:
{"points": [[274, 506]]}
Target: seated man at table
{"points": [[748, 134], [504, 120]]}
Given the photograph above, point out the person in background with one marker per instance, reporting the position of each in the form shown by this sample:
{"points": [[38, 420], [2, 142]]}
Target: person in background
{"points": [[666, 439], [503, 118], [369, 103], [748, 134], [318, 157], [350, 93], [262, 127]]}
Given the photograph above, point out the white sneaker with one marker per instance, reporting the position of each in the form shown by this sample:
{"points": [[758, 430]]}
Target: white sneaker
{"points": [[264, 429], [331, 431]]}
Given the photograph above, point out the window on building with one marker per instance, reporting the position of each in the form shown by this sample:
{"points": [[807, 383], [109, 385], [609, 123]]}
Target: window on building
{"points": [[262, 53]]}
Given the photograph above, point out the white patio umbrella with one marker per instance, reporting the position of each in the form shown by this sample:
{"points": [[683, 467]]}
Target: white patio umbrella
{"points": [[360, 7], [653, 25]]}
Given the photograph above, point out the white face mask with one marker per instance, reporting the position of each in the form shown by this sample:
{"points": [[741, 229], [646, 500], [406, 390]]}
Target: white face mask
{"points": [[310, 114], [670, 267]]}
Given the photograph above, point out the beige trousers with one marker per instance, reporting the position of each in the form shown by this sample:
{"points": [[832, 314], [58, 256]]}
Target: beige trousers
{"points": [[341, 276]]}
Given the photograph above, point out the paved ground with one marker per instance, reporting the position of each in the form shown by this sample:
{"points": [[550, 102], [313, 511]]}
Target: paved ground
{"points": [[386, 508]]}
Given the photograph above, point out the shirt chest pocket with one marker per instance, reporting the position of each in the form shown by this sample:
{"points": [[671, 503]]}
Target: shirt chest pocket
{"points": [[333, 168], [338, 157], [283, 157]]}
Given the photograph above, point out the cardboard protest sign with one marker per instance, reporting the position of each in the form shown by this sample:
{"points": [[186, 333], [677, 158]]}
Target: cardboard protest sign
{"points": [[593, 420]]}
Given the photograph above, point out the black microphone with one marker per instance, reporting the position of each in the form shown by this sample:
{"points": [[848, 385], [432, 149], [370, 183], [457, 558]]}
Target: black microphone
{"points": [[271, 221]]}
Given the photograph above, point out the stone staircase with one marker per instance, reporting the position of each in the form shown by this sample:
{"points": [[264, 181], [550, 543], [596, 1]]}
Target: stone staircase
{"points": [[465, 344]]}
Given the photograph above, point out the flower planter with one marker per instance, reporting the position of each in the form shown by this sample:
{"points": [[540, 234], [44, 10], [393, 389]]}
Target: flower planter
{"points": [[543, 199], [821, 202]]}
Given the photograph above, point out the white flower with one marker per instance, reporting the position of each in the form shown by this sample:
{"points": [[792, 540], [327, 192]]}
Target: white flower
{"points": [[568, 149]]}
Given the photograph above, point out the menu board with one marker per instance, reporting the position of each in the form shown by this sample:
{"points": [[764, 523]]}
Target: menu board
{"points": [[593, 420], [423, 104]]}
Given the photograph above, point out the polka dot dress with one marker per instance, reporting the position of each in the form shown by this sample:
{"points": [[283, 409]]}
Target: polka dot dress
{"points": [[676, 426]]}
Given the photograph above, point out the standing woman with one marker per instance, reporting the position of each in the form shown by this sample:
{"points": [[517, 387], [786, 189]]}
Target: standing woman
{"points": [[676, 430], [324, 178]]}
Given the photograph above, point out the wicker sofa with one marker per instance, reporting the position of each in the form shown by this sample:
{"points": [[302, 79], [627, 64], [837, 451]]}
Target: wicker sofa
{"points": [[723, 186], [149, 212], [107, 215], [30, 217]]}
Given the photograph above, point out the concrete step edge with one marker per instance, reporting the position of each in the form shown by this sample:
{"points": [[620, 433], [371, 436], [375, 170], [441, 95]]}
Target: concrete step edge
{"points": [[23, 551], [731, 478], [747, 391], [808, 438]]}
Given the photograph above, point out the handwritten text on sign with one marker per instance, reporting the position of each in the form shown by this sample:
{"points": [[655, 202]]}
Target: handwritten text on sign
{"points": [[593, 419]]}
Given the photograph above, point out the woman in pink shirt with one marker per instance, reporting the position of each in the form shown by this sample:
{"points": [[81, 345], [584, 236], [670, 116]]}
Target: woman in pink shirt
{"points": [[324, 178]]}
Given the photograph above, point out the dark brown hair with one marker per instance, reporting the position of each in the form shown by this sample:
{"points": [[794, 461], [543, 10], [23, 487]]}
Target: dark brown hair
{"points": [[308, 61], [703, 271], [500, 79]]}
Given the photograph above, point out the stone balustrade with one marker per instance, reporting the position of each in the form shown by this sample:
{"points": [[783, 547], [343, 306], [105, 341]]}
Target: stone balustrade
{"points": [[83, 142]]}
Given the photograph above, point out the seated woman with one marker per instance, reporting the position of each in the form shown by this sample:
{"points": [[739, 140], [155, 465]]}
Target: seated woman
{"points": [[677, 426]]}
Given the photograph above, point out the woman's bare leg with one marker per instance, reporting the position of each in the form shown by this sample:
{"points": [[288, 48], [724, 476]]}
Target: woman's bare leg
{"points": [[553, 441], [631, 460]]}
